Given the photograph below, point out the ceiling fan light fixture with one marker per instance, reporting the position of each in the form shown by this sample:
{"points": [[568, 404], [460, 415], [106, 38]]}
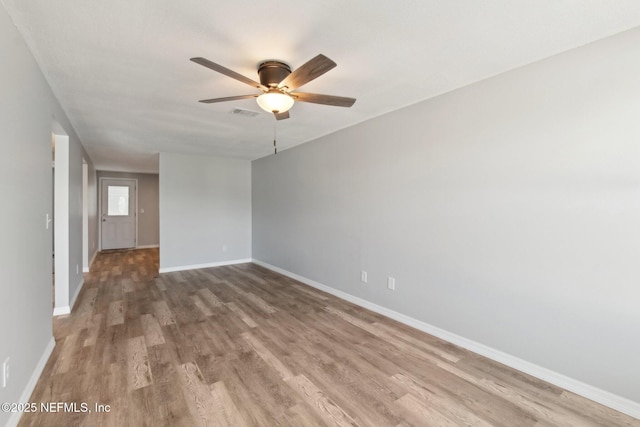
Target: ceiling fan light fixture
{"points": [[275, 102]]}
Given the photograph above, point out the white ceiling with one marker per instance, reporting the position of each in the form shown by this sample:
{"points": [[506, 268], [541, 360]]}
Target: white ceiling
{"points": [[121, 69]]}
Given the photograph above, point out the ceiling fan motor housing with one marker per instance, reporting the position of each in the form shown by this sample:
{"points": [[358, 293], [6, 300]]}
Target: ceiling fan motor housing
{"points": [[273, 72]]}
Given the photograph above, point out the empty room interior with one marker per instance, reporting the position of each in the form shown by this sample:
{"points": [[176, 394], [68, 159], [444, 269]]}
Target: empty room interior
{"points": [[243, 213]]}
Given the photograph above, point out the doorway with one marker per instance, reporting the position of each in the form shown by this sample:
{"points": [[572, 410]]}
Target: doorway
{"points": [[118, 213]]}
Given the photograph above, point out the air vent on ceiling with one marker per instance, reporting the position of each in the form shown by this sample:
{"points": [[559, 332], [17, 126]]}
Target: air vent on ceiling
{"points": [[243, 112]]}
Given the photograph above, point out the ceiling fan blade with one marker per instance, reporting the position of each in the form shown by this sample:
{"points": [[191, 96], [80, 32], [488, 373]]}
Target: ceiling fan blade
{"points": [[228, 98], [316, 98], [310, 70], [227, 72], [282, 116]]}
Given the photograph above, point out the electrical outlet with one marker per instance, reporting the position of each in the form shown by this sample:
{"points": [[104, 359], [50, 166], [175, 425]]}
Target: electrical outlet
{"points": [[5, 372], [391, 283], [224, 248], [363, 276], [77, 269]]}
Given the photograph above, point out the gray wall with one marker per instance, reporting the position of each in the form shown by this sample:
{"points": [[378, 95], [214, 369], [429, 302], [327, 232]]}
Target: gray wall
{"points": [[205, 210], [507, 211], [148, 222], [27, 110]]}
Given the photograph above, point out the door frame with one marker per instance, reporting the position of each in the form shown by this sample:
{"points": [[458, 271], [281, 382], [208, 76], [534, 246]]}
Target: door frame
{"points": [[61, 217], [135, 222]]}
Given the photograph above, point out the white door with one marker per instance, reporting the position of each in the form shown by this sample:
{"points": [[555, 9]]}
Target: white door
{"points": [[118, 216]]}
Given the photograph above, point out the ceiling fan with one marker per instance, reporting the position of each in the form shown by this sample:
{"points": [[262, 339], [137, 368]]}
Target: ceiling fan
{"points": [[277, 83]]}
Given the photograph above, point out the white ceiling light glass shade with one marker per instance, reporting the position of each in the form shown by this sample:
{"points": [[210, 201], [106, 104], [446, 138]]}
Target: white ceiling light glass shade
{"points": [[275, 102]]}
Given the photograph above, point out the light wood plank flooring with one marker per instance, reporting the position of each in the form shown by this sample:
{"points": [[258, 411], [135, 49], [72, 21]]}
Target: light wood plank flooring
{"points": [[243, 346]]}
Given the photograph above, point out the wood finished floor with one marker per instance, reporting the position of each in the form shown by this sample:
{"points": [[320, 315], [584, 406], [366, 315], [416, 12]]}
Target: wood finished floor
{"points": [[241, 345]]}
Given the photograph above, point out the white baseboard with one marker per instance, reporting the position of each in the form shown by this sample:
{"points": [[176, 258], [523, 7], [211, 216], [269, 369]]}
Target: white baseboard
{"points": [[31, 385], [603, 397], [207, 265], [59, 311], [147, 246], [75, 296], [93, 258]]}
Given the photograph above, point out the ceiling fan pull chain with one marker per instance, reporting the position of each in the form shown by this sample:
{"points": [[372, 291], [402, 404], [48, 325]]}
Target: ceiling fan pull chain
{"points": [[275, 127]]}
